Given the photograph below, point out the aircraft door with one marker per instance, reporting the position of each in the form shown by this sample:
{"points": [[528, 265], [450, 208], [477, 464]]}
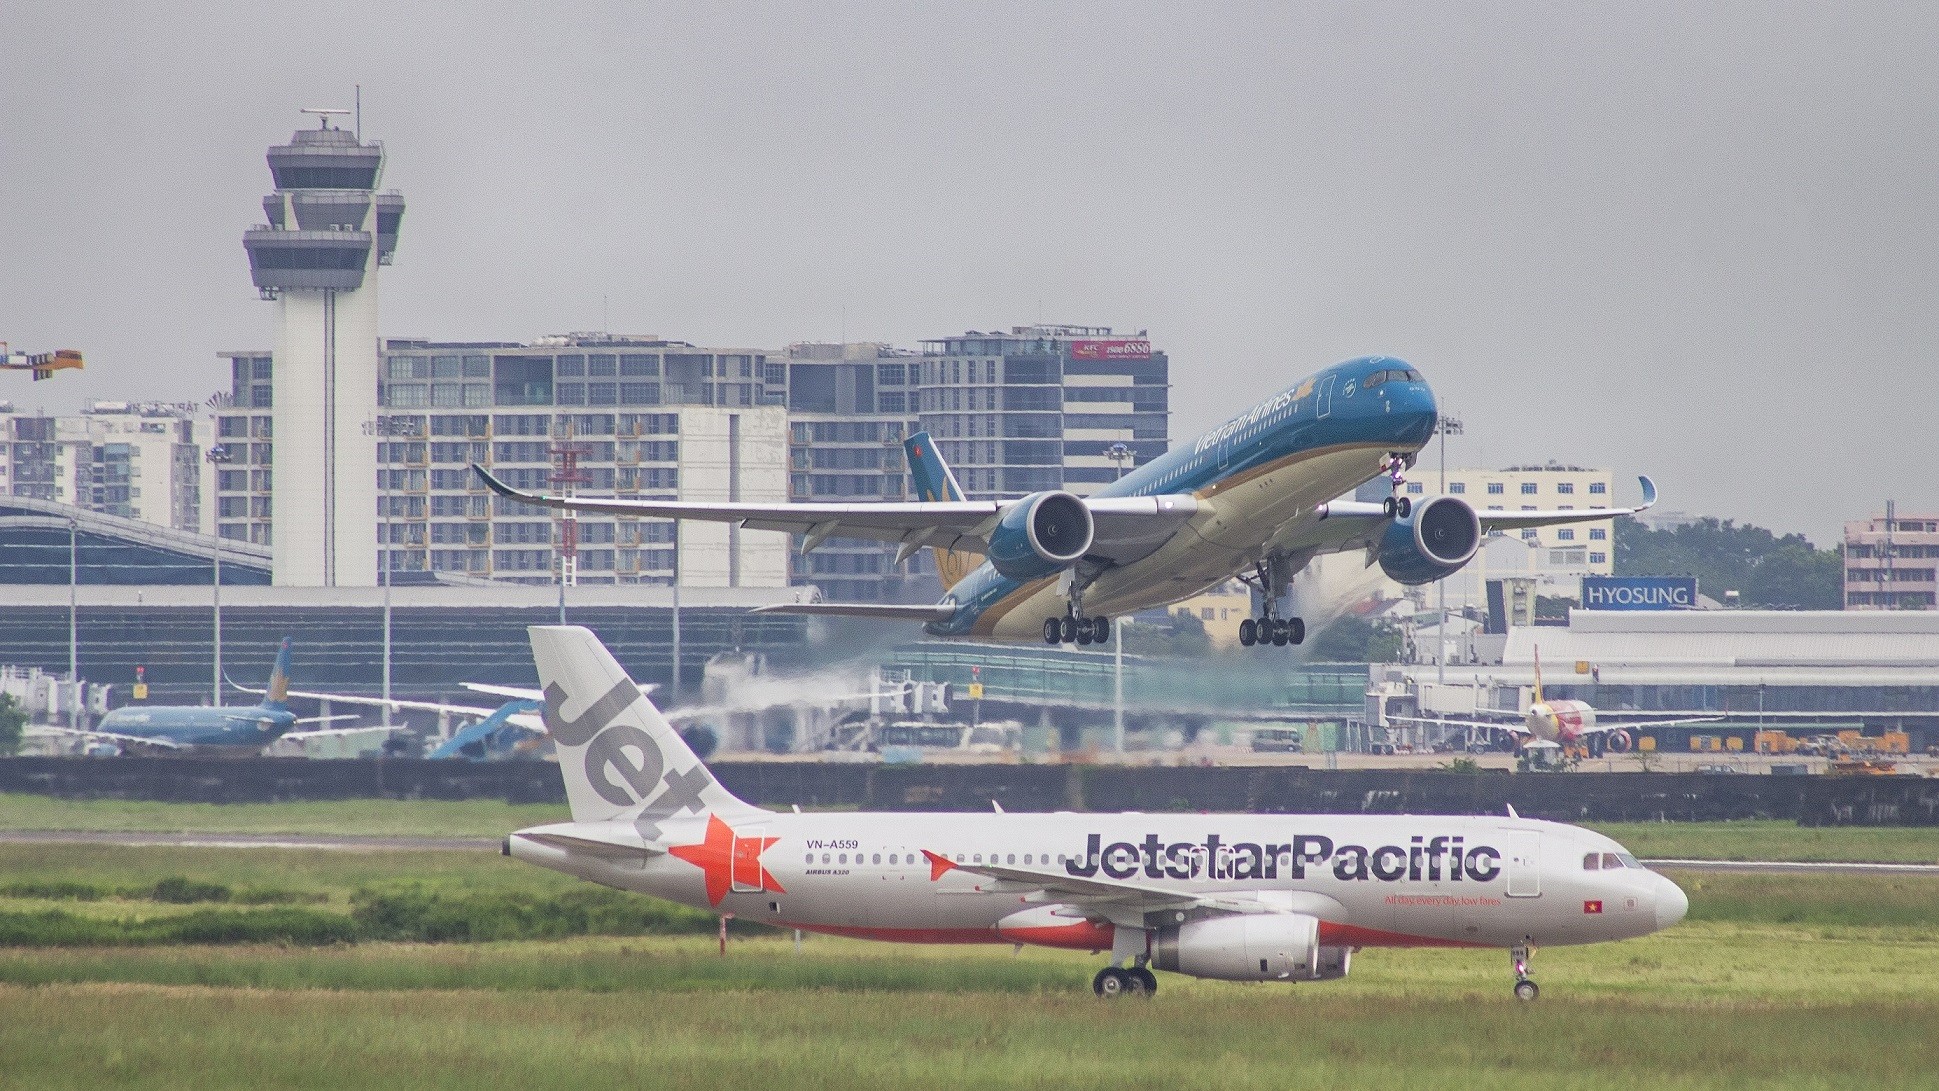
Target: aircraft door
{"points": [[745, 867], [1323, 399], [1524, 865]]}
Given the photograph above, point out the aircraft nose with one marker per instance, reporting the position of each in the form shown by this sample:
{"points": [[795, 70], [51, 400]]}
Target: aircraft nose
{"points": [[1671, 902]]}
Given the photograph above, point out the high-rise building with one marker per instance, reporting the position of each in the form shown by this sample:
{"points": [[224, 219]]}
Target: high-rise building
{"points": [[137, 460], [1044, 407], [328, 231], [635, 415], [1892, 562]]}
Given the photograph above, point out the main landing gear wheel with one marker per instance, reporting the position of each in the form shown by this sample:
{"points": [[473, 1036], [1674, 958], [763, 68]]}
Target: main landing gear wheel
{"points": [[1527, 990], [1111, 982], [1100, 630], [1248, 632], [1053, 631], [1069, 629]]}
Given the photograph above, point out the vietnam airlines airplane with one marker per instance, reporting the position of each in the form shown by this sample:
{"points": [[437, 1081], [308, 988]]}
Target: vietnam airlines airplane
{"points": [[1235, 897], [207, 727], [1253, 498]]}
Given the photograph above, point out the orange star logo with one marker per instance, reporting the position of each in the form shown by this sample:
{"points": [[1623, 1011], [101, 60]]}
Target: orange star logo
{"points": [[722, 857]]}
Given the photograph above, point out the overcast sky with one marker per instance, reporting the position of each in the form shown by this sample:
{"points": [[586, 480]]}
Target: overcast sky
{"points": [[1691, 241]]}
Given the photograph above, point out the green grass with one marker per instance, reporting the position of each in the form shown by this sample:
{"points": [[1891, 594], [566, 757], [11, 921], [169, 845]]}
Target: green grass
{"points": [[1776, 981], [1703, 1006], [372, 817]]}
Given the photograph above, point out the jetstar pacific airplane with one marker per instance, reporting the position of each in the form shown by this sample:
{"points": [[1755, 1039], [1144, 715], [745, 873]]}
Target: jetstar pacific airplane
{"points": [[1253, 498], [1236, 897]]}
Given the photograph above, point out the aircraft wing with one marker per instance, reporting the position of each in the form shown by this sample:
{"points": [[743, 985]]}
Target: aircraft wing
{"points": [[1517, 520], [140, 739], [1358, 524], [1126, 527], [1109, 898], [887, 611], [378, 702], [327, 731], [1614, 725], [515, 691]]}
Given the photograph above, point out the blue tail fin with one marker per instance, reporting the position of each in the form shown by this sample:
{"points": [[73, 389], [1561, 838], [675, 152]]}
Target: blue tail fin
{"points": [[483, 730], [935, 481], [932, 477], [279, 679]]}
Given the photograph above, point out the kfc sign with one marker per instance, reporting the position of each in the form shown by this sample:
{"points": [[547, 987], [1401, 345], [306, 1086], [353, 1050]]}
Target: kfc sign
{"points": [[1110, 350]]}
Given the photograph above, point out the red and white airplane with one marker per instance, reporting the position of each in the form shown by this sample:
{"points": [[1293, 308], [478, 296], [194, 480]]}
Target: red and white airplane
{"points": [[1237, 897], [1564, 723]]}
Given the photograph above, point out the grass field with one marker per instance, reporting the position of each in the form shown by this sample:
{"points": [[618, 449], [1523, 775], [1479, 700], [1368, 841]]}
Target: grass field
{"points": [[1779, 981]]}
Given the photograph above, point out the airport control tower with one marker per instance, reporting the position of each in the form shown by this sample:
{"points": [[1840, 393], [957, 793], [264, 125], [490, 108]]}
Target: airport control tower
{"points": [[317, 257]]}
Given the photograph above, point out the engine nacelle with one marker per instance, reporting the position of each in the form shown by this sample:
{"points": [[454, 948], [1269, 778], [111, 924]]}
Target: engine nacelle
{"points": [[1249, 947], [1042, 533], [1435, 539], [1618, 742]]}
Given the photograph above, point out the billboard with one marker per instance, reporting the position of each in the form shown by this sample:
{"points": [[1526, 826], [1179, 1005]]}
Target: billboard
{"points": [[1110, 350], [1639, 592]]}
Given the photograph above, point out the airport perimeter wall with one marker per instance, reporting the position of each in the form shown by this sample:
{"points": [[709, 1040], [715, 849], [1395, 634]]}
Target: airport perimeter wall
{"points": [[1810, 800]]}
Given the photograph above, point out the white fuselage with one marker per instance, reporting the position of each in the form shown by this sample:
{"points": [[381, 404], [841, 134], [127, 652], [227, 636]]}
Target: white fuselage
{"points": [[1371, 880]]}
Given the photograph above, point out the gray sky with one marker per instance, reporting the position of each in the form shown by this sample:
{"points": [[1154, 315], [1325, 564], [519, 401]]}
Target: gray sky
{"points": [[1692, 241]]}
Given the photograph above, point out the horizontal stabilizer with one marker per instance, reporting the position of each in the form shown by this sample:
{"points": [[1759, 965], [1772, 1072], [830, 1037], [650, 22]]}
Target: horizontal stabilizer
{"points": [[940, 611]]}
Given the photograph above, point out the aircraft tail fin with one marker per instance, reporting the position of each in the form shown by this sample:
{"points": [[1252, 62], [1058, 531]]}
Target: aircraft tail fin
{"points": [[933, 481], [276, 694], [482, 731], [618, 754]]}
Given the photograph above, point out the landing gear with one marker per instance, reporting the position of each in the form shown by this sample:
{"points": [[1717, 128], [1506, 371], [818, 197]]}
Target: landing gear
{"points": [[1074, 627], [1525, 989], [1113, 982], [1271, 579], [1395, 466]]}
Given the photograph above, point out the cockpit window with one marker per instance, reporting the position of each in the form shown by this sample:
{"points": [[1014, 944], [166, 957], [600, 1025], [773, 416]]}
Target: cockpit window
{"points": [[1629, 861], [1611, 862], [1391, 375], [1592, 862]]}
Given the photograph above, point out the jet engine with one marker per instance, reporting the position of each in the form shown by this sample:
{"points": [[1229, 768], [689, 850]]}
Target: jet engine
{"points": [[1042, 533], [1433, 540], [1250, 947], [1617, 742]]}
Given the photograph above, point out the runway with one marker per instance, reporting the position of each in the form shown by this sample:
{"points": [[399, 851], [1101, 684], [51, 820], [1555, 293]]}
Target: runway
{"points": [[350, 843]]}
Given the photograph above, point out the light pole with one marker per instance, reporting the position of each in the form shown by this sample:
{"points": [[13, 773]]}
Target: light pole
{"points": [[1119, 454], [1443, 425], [73, 626], [383, 428], [218, 455]]}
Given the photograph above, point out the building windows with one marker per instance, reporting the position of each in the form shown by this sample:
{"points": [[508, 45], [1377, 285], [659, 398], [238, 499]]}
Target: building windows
{"points": [[1598, 558], [1415, 488], [1565, 535], [1598, 534], [1528, 488], [1494, 488], [1566, 488], [1456, 488], [1597, 488]]}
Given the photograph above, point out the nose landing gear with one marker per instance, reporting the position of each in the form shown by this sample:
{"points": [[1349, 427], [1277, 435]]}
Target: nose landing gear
{"points": [[1525, 989], [1396, 506]]}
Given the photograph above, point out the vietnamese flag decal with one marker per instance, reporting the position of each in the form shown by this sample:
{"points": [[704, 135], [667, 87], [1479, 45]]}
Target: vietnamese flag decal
{"points": [[1592, 907]]}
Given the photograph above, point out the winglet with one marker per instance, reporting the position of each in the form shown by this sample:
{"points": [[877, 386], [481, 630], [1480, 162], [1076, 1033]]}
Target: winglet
{"points": [[1649, 491], [1511, 811], [503, 489], [939, 865]]}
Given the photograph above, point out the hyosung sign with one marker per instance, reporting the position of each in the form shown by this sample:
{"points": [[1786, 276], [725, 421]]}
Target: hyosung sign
{"points": [[1639, 592]]}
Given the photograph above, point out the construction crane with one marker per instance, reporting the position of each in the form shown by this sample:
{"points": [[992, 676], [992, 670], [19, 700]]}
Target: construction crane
{"points": [[42, 364]]}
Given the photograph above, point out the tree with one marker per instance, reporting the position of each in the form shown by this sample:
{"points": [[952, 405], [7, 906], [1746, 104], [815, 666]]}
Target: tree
{"points": [[1784, 573], [1353, 639], [13, 724], [1179, 636]]}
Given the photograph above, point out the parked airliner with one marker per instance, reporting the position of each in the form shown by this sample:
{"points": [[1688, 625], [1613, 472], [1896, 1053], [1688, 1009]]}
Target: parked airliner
{"points": [[1237, 897], [1564, 723], [1254, 498], [208, 727]]}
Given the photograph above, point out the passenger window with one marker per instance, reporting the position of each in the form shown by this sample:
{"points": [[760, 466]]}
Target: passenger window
{"points": [[811, 858], [1011, 859], [892, 858], [1026, 857], [979, 857], [1592, 862], [877, 859], [824, 858], [1610, 863], [843, 859]]}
